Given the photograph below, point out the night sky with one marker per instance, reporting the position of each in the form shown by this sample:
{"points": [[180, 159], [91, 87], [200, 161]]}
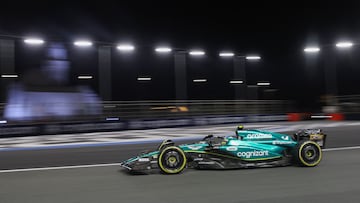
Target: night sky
{"points": [[275, 31]]}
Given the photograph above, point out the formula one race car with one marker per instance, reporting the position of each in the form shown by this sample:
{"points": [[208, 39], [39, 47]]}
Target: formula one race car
{"points": [[245, 149]]}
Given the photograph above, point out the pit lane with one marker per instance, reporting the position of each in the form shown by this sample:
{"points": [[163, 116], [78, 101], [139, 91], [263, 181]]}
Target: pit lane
{"points": [[335, 179]]}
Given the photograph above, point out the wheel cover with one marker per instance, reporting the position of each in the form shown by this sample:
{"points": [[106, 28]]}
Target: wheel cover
{"points": [[310, 153], [172, 159]]}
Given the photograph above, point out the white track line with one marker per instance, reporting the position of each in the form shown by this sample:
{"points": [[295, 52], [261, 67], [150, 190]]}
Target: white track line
{"points": [[341, 148], [118, 164], [58, 168]]}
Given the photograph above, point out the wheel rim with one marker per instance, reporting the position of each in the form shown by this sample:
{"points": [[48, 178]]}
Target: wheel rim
{"points": [[172, 160], [310, 153]]}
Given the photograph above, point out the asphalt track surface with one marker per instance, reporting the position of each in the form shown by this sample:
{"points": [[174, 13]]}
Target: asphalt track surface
{"points": [[336, 179]]}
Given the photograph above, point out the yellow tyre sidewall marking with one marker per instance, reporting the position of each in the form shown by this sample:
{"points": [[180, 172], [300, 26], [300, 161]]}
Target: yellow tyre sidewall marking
{"points": [[301, 158], [175, 170]]}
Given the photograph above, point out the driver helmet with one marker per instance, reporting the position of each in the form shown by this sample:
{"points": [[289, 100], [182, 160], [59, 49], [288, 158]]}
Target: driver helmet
{"points": [[240, 127]]}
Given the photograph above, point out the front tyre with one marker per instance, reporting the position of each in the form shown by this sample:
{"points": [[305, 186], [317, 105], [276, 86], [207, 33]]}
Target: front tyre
{"points": [[308, 153], [172, 160]]}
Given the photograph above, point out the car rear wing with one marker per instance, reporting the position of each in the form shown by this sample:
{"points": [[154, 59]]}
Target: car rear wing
{"points": [[316, 135]]}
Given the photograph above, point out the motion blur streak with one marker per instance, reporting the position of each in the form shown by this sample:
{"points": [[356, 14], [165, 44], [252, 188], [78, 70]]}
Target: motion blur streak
{"points": [[117, 164], [58, 168], [341, 148], [46, 93]]}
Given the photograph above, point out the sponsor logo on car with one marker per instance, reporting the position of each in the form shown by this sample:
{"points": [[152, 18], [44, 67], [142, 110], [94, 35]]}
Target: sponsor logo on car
{"points": [[316, 137], [254, 153], [282, 142], [194, 147], [259, 136], [143, 159], [231, 149], [284, 137]]}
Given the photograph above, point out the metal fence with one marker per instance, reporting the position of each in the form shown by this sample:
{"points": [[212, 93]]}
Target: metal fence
{"points": [[349, 103], [133, 110], [170, 109]]}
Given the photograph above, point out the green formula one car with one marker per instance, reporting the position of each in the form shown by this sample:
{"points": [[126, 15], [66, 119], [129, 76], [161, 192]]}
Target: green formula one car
{"points": [[245, 149]]}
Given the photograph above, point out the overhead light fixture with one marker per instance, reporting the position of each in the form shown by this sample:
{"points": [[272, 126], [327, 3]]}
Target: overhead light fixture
{"points": [[34, 41], [83, 43], [163, 49], [125, 47], [9, 76], [84, 77], [226, 54], [253, 57], [312, 49], [144, 78], [236, 82], [263, 84], [344, 44], [197, 53], [199, 80]]}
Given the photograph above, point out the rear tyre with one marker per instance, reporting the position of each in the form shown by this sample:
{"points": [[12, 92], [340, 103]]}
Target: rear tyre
{"points": [[308, 153], [172, 160]]}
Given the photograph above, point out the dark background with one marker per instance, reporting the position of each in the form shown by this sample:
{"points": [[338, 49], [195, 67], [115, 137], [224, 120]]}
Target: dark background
{"points": [[276, 31]]}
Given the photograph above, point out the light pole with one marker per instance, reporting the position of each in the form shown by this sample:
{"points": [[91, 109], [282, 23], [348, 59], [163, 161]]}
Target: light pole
{"points": [[7, 65], [331, 87], [263, 87], [104, 67], [239, 66], [84, 44], [256, 92], [180, 75], [329, 70], [180, 66]]}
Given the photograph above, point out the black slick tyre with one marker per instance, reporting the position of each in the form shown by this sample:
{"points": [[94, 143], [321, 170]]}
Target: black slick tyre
{"points": [[307, 153], [172, 160]]}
